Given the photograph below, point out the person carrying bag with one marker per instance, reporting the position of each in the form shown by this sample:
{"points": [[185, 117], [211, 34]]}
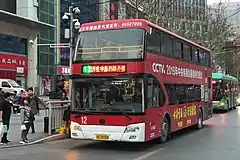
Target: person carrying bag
{"points": [[26, 116], [5, 115]]}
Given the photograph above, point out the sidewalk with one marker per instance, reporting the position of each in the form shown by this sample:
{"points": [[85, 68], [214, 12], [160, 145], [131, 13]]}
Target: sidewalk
{"points": [[14, 129]]}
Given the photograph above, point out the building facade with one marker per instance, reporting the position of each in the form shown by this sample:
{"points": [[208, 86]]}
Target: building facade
{"points": [[19, 26], [177, 15], [47, 56], [53, 63], [89, 13]]}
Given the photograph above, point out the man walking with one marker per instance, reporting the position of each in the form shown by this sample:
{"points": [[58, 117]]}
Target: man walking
{"points": [[34, 102], [5, 114]]}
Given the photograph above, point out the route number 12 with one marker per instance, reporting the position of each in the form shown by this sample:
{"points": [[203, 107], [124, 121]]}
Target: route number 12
{"points": [[84, 119]]}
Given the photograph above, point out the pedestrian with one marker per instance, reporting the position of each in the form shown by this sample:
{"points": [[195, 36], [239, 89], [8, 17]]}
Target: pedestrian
{"points": [[16, 102], [1, 94], [25, 116], [34, 102], [5, 114], [22, 94]]}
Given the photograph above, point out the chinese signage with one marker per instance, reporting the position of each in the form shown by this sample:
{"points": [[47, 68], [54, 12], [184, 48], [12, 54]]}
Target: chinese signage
{"points": [[214, 82], [184, 112], [112, 25], [63, 70], [15, 62], [88, 69], [113, 9], [176, 71]]}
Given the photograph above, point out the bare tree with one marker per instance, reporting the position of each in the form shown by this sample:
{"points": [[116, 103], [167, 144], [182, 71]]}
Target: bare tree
{"points": [[216, 32], [206, 26]]}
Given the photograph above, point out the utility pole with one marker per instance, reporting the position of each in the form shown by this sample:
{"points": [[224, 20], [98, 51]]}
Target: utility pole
{"points": [[74, 24]]}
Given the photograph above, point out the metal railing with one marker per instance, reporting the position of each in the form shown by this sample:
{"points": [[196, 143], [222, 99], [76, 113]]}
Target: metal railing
{"points": [[55, 114]]}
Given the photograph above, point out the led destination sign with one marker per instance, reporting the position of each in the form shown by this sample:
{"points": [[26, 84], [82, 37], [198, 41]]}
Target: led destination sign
{"points": [[91, 69]]}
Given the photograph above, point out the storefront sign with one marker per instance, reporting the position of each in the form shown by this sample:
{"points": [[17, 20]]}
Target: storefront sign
{"points": [[16, 62], [63, 70]]}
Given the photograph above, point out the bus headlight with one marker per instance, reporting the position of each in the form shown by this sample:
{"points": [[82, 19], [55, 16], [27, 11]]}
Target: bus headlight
{"points": [[76, 128], [221, 104], [131, 129], [238, 100]]}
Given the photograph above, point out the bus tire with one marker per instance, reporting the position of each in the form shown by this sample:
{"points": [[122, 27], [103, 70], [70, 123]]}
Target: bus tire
{"points": [[199, 124], [165, 130], [228, 107], [69, 133]]}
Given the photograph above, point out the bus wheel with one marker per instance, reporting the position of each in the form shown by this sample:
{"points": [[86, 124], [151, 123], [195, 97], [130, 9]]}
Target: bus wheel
{"points": [[165, 129], [199, 124], [227, 106], [69, 133]]}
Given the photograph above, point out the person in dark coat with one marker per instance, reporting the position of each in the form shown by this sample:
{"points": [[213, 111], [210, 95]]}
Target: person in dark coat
{"points": [[5, 114], [34, 102], [1, 94]]}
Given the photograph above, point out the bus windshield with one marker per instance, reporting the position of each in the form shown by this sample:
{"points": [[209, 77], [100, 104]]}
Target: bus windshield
{"points": [[110, 45], [115, 94], [218, 90]]}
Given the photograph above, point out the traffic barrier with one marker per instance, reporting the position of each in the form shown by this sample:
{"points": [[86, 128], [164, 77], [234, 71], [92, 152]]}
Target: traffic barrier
{"points": [[55, 113]]}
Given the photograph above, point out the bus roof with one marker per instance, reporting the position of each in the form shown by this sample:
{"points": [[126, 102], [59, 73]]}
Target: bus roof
{"points": [[224, 77], [91, 24]]}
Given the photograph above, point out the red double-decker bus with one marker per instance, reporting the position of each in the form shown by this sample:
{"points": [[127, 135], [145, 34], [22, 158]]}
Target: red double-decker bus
{"points": [[134, 81]]}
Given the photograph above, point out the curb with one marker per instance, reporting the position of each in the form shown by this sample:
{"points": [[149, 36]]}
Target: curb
{"points": [[42, 140]]}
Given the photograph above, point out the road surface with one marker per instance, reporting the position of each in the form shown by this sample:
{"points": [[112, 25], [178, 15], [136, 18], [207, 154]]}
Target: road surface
{"points": [[219, 139]]}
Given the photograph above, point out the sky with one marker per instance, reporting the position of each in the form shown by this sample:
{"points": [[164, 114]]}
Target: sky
{"points": [[217, 1]]}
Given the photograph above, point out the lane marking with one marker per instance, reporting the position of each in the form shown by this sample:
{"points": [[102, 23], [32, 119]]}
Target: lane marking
{"points": [[147, 155]]}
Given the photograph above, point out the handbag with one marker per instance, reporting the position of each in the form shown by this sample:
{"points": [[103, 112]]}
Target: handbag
{"points": [[23, 127], [3, 129]]}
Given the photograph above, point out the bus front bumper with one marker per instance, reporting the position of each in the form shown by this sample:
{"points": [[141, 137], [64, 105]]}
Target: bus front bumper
{"points": [[130, 133], [217, 105]]}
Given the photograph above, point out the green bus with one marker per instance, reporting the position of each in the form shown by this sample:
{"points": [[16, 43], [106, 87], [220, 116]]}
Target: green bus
{"points": [[225, 91]]}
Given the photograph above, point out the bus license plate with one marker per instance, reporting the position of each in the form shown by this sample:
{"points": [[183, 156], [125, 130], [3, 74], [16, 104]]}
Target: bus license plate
{"points": [[102, 137]]}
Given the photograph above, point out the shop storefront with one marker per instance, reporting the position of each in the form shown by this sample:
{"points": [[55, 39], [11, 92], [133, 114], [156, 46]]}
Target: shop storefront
{"points": [[14, 67], [62, 79]]}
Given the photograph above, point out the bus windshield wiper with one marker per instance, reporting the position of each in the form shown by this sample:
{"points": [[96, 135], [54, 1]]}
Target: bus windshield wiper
{"points": [[126, 115], [117, 110], [79, 112]]}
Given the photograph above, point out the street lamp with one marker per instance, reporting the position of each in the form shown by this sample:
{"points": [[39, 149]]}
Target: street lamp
{"points": [[74, 24]]}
